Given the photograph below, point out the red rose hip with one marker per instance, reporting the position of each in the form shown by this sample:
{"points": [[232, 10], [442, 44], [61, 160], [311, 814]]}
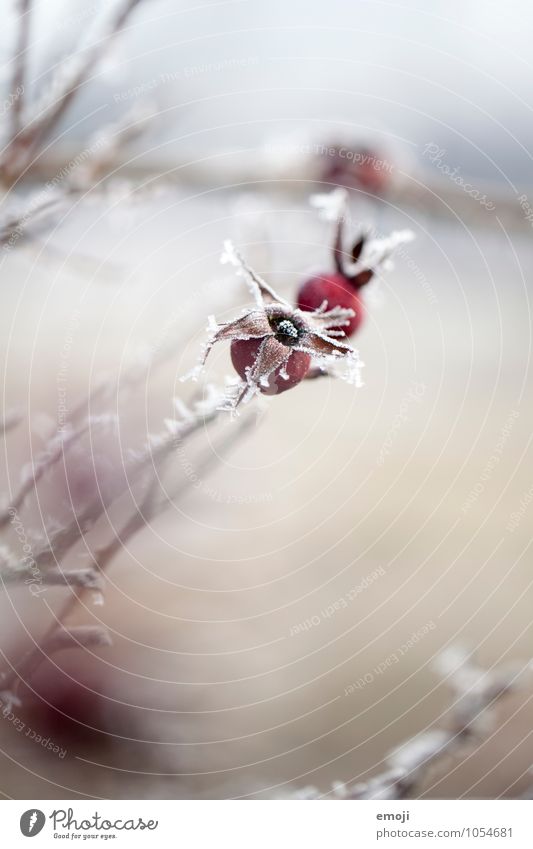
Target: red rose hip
{"points": [[354, 267], [244, 354], [338, 292], [274, 344]]}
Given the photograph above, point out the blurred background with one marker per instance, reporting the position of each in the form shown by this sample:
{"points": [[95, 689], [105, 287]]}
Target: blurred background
{"points": [[277, 625]]}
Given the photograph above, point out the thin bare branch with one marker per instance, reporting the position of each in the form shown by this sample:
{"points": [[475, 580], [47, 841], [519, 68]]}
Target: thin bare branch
{"points": [[10, 421], [106, 147], [20, 60], [338, 244], [80, 636], [151, 506], [476, 693], [58, 639], [32, 474], [258, 287], [66, 435], [87, 578], [71, 75], [39, 208], [158, 448]]}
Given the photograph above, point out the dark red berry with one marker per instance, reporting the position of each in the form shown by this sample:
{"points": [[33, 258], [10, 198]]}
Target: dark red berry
{"points": [[338, 292], [69, 703], [244, 355], [358, 168]]}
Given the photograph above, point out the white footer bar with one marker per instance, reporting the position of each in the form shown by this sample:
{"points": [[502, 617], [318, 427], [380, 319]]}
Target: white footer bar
{"points": [[268, 824]]}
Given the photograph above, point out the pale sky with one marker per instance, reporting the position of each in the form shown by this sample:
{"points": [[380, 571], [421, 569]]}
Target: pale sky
{"points": [[454, 73]]}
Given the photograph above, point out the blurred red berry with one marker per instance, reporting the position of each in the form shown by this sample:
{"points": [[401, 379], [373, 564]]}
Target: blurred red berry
{"points": [[359, 167], [69, 703]]}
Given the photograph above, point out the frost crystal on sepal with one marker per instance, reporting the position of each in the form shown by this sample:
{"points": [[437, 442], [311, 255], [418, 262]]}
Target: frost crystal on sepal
{"points": [[6, 557], [229, 254], [330, 205], [387, 785], [416, 752], [259, 288], [172, 425], [184, 412], [347, 369], [365, 257], [199, 408], [307, 793], [377, 252], [8, 700], [196, 371], [210, 401]]}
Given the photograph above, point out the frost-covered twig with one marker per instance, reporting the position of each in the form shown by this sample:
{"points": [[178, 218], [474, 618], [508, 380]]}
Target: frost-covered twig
{"points": [[148, 458], [376, 253], [106, 145], [20, 61], [34, 471], [475, 693], [156, 451], [151, 506], [331, 206], [80, 636], [153, 503], [528, 792], [10, 421], [57, 639], [366, 256], [14, 572], [70, 76], [71, 429], [259, 288], [21, 224]]}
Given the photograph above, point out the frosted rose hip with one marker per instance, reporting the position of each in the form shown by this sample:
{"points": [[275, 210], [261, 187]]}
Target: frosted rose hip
{"points": [[274, 344]]}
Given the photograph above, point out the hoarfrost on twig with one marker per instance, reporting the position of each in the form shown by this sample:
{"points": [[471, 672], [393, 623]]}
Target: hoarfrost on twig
{"points": [[86, 636], [10, 421], [377, 252], [331, 205], [8, 701], [418, 751], [475, 691], [258, 287]]}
